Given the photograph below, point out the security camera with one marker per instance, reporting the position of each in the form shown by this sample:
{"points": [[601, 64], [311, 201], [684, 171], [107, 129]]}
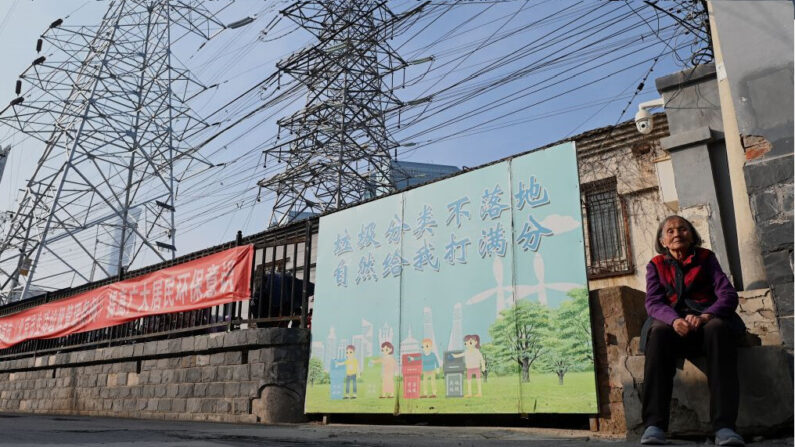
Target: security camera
{"points": [[644, 122], [643, 119]]}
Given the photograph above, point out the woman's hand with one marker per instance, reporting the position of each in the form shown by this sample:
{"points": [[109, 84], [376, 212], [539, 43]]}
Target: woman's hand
{"points": [[694, 321], [681, 326]]}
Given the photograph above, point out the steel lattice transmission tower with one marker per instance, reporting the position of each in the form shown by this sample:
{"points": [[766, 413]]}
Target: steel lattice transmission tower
{"points": [[339, 149], [109, 104]]}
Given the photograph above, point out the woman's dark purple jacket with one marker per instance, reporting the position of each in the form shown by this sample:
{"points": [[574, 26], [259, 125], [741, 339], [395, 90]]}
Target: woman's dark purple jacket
{"points": [[659, 308]]}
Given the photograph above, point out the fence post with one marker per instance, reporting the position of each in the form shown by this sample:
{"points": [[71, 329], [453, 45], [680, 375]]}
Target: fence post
{"points": [[305, 286], [252, 298]]}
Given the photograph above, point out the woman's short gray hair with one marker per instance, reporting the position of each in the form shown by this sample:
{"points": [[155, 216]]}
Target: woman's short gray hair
{"points": [[662, 250]]}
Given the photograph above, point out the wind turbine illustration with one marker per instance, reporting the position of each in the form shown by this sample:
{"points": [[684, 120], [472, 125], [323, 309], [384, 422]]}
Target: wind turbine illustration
{"points": [[506, 294], [499, 291], [541, 287]]}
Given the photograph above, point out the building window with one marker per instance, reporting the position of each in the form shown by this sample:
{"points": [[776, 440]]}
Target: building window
{"points": [[607, 243]]}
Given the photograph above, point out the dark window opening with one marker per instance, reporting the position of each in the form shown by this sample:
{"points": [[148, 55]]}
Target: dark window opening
{"points": [[608, 251]]}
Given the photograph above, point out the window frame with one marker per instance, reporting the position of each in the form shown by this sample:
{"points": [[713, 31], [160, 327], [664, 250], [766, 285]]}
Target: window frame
{"points": [[623, 264]]}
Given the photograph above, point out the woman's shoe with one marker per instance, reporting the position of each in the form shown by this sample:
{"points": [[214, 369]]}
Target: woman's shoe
{"points": [[728, 437], [653, 436]]}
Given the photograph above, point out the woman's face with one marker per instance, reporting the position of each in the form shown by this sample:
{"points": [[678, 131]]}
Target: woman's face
{"points": [[676, 235]]}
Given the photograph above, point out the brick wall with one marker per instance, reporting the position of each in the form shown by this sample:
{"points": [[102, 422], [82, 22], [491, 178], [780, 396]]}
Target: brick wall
{"points": [[253, 375]]}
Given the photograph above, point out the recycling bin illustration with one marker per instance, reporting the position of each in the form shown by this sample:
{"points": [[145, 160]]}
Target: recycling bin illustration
{"points": [[411, 365], [454, 370], [337, 378]]}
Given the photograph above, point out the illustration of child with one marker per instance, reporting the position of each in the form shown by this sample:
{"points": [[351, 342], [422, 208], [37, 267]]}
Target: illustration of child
{"points": [[474, 363], [388, 367], [351, 371], [430, 367]]}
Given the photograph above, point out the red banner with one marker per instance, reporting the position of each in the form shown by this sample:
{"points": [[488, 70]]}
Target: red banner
{"points": [[216, 279]]}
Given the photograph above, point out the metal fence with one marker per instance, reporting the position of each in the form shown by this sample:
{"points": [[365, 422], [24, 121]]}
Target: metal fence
{"points": [[282, 285]]}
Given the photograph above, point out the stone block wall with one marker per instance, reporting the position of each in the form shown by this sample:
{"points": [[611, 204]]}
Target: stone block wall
{"points": [[770, 189], [617, 315], [253, 375], [766, 384], [758, 311]]}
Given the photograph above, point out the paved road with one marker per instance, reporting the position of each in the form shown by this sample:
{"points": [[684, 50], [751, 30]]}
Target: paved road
{"points": [[64, 431]]}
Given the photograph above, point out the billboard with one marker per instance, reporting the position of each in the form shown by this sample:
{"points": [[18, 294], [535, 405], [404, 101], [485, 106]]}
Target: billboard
{"points": [[467, 295]]}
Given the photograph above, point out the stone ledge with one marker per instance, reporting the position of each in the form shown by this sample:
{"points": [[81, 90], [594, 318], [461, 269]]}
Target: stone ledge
{"points": [[195, 344], [685, 77], [765, 394], [765, 371], [258, 377], [683, 140]]}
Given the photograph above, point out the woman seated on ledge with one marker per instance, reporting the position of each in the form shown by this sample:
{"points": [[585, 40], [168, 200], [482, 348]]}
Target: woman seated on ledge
{"points": [[691, 306]]}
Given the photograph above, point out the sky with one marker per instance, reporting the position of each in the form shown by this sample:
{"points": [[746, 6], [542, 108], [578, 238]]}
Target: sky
{"points": [[532, 108]]}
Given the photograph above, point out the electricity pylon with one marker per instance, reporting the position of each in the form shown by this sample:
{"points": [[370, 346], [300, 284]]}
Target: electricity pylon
{"points": [[339, 149], [109, 104]]}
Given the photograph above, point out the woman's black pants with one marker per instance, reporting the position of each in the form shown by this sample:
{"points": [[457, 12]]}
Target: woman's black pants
{"points": [[664, 346]]}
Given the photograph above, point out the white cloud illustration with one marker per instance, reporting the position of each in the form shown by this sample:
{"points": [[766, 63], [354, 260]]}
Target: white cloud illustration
{"points": [[560, 224]]}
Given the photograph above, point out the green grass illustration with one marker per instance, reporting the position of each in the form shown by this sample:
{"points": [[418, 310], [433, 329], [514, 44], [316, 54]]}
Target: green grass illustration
{"points": [[500, 395]]}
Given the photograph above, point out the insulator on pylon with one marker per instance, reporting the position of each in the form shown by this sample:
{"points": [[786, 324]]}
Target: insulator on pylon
{"points": [[18, 88], [242, 22], [56, 23], [38, 45], [16, 101], [39, 60]]}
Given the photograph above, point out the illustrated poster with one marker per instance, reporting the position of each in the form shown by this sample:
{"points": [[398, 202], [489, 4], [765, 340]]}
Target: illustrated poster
{"points": [[467, 295]]}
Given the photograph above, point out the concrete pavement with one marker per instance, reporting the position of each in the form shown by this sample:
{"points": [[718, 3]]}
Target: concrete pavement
{"points": [[36, 430]]}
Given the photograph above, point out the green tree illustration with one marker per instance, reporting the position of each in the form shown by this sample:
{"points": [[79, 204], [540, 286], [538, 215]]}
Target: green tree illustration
{"points": [[574, 324], [568, 343], [518, 334], [316, 373]]}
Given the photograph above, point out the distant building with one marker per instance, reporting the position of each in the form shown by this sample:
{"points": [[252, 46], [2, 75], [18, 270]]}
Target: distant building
{"points": [[428, 331], [386, 333], [404, 174], [319, 352], [331, 348], [457, 334], [367, 338], [293, 215], [342, 347]]}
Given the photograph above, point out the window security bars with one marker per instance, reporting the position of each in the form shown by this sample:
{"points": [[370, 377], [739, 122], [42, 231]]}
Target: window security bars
{"points": [[608, 251]]}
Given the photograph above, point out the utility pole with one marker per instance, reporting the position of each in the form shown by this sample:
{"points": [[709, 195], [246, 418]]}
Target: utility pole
{"points": [[751, 265]]}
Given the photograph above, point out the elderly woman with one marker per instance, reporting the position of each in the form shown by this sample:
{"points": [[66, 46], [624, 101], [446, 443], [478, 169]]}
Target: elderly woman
{"points": [[691, 306]]}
